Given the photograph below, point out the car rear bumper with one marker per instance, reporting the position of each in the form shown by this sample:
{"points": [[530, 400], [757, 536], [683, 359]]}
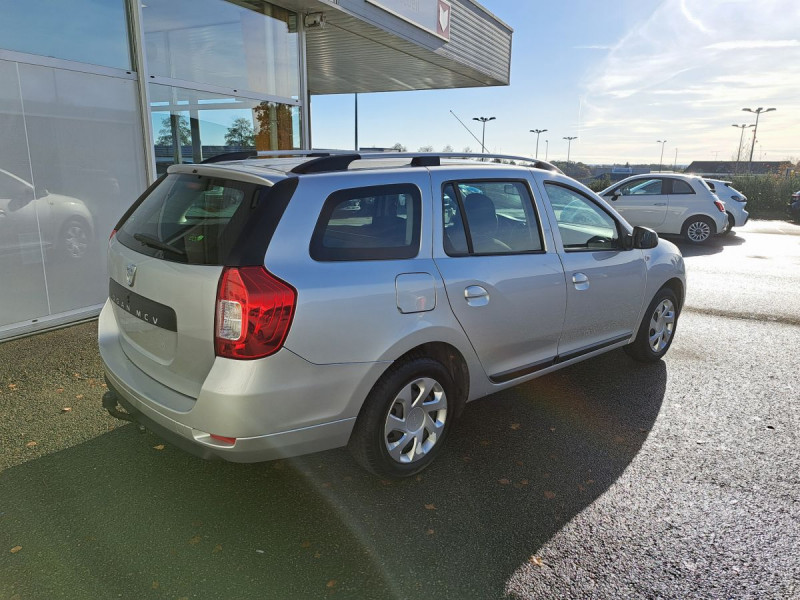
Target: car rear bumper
{"points": [[274, 407], [244, 450]]}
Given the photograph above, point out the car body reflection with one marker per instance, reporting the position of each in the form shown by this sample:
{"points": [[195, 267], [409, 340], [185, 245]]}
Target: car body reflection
{"points": [[29, 217]]}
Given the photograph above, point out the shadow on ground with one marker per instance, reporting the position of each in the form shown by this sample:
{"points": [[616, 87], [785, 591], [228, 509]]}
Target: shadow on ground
{"points": [[118, 517], [713, 246]]}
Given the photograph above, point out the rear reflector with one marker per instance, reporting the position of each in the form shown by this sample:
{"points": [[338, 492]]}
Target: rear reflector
{"points": [[254, 312], [222, 438]]}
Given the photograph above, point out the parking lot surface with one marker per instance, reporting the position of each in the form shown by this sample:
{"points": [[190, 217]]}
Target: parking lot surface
{"points": [[608, 479]]}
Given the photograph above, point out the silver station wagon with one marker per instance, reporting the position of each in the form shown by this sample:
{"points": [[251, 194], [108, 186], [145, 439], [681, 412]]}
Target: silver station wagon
{"points": [[274, 306]]}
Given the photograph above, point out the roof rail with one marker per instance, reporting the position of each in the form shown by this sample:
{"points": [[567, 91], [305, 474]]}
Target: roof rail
{"points": [[324, 160], [429, 159], [229, 156], [325, 163]]}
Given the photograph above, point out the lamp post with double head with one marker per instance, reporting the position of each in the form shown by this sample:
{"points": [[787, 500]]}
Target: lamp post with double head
{"points": [[569, 143], [538, 132], [757, 112], [743, 126], [661, 160], [483, 120]]}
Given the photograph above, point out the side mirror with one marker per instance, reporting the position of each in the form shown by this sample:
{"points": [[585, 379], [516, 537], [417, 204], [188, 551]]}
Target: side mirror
{"points": [[644, 238], [614, 196]]}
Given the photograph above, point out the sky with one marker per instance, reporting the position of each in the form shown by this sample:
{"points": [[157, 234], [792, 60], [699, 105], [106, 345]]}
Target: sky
{"points": [[619, 75]]}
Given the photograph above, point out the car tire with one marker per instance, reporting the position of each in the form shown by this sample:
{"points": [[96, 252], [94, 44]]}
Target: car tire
{"points": [[657, 329], [405, 419], [698, 229], [729, 226], [73, 241]]}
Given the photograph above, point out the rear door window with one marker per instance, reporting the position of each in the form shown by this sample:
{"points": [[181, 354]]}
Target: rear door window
{"points": [[369, 223], [192, 219], [681, 187], [489, 217]]}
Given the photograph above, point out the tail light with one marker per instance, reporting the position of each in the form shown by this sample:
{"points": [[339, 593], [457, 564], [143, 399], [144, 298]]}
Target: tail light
{"points": [[720, 206], [254, 312], [113, 233]]}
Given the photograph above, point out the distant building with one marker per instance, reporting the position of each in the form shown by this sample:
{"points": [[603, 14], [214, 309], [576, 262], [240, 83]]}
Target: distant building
{"points": [[618, 172]]}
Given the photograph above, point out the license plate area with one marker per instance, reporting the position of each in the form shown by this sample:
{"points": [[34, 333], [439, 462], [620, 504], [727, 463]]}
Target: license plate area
{"points": [[144, 309]]}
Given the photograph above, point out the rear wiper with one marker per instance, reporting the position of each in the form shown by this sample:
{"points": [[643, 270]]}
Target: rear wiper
{"points": [[148, 240]]}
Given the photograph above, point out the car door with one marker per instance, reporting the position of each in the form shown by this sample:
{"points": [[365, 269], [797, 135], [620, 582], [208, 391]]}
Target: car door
{"points": [[503, 278], [643, 201], [605, 282]]}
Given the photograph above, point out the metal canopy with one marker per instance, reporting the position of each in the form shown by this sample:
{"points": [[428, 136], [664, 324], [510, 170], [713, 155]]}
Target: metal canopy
{"points": [[363, 48]]}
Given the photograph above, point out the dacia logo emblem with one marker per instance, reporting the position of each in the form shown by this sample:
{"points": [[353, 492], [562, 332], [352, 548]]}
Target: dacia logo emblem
{"points": [[130, 274]]}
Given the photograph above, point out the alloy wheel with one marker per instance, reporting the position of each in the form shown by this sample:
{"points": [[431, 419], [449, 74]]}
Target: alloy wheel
{"points": [[662, 324], [415, 421]]}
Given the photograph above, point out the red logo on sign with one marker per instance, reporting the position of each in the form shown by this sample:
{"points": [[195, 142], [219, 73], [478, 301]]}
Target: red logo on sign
{"points": [[443, 19]]}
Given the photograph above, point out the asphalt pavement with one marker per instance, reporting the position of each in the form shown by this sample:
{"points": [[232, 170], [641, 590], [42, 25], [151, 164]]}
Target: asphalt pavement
{"points": [[608, 479]]}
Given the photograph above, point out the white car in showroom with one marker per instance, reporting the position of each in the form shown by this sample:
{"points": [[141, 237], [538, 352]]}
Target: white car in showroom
{"points": [[671, 204], [734, 201]]}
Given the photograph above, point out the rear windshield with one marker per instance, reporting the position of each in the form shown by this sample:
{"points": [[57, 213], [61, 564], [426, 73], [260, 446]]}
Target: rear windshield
{"points": [[191, 219]]}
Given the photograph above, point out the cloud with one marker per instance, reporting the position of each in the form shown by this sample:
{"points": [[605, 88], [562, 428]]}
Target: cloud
{"points": [[753, 44], [688, 69]]}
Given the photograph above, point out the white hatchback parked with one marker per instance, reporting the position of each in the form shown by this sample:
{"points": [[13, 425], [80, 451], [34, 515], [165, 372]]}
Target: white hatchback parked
{"points": [[670, 203], [734, 201]]}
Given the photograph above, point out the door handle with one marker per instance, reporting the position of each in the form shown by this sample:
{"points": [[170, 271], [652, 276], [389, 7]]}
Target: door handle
{"points": [[476, 295], [660, 204], [581, 281]]}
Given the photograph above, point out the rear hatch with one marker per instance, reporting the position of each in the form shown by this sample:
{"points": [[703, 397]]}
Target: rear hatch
{"points": [[165, 263]]}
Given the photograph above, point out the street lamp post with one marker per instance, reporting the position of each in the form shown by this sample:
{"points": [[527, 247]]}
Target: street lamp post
{"points": [[537, 132], [483, 120], [569, 144], [758, 112], [743, 126], [661, 160], [546, 148]]}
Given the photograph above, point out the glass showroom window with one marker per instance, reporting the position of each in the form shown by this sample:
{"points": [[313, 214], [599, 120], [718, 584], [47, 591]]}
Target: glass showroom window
{"points": [[94, 32], [219, 43], [190, 126], [71, 162]]}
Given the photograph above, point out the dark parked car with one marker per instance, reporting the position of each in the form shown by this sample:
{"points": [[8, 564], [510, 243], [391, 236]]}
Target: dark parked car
{"points": [[794, 207]]}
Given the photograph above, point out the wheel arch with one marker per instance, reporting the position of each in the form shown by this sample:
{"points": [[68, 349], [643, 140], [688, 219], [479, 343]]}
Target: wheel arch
{"points": [[677, 287], [452, 360]]}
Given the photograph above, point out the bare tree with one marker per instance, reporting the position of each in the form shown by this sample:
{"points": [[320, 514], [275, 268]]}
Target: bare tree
{"points": [[425, 149], [399, 147]]}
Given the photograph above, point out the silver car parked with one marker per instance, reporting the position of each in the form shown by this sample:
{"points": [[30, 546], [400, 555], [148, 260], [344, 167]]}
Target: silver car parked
{"points": [[270, 307]]}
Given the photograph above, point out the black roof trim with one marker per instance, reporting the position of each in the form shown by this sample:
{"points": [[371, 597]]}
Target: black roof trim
{"points": [[230, 156], [324, 164], [426, 161]]}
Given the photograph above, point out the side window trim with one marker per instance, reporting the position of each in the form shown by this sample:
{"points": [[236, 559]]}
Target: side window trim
{"points": [[463, 213], [455, 183]]}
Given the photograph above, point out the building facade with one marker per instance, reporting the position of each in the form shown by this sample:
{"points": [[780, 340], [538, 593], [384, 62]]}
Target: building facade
{"points": [[99, 97]]}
